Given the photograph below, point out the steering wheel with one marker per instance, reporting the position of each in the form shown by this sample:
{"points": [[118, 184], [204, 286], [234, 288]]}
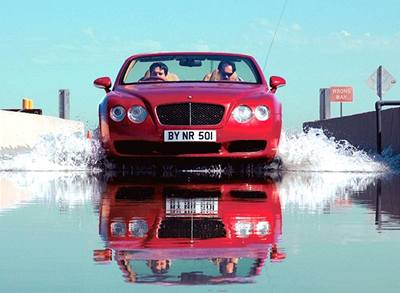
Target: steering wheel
{"points": [[153, 78]]}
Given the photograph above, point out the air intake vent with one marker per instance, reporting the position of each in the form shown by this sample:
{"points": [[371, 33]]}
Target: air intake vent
{"points": [[135, 193], [182, 228]]}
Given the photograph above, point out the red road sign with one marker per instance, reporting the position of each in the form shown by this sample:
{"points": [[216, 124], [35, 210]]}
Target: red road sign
{"points": [[341, 94]]}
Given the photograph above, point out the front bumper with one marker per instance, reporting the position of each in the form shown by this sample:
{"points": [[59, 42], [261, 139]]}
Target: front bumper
{"points": [[253, 140]]}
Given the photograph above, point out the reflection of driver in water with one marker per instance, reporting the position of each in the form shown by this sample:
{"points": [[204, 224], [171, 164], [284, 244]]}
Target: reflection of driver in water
{"points": [[158, 70], [159, 266], [227, 266]]}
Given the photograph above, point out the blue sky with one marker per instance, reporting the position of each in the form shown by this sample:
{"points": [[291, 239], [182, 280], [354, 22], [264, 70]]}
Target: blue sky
{"points": [[49, 45]]}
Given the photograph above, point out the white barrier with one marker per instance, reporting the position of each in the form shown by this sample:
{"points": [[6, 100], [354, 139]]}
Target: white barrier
{"points": [[23, 131]]}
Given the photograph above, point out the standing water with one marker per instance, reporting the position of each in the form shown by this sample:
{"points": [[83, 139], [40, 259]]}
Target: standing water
{"points": [[328, 222]]}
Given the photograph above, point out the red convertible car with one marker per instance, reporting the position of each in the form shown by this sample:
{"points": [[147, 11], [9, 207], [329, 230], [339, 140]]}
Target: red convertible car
{"points": [[190, 105]]}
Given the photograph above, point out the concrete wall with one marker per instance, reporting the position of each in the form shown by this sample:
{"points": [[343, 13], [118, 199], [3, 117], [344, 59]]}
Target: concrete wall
{"points": [[22, 131], [360, 129]]}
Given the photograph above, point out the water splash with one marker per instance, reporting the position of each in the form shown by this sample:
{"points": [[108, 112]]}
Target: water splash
{"points": [[391, 159], [314, 151], [330, 171], [54, 152]]}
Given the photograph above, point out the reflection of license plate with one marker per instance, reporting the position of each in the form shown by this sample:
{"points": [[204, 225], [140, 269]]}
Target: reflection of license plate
{"points": [[190, 135], [183, 207]]}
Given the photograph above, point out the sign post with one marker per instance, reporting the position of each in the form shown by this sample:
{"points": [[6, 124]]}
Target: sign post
{"points": [[341, 109], [324, 104], [381, 81], [341, 94]]}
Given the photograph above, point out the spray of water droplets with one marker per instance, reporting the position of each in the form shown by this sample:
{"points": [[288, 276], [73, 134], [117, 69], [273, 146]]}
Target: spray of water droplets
{"points": [[311, 151], [55, 152], [314, 151]]}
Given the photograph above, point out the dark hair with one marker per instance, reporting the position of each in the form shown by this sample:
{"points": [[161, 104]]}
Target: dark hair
{"points": [[224, 63], [153, 264], [159, 64]]}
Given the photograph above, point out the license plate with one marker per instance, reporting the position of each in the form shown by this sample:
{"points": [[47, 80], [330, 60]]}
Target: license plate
{"points": [[183, 207], [189, 135]]}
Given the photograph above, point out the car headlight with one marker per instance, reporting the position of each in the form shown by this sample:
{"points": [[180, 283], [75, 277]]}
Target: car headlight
{"points": [[138, 228], [137, 114], [242, 113], [262, 228], [117, 113], [262, 113], [243, 229], [118, 228]]}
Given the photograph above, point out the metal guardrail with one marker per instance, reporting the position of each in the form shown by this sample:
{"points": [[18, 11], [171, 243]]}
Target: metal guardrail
{"points": [[378, 110]]}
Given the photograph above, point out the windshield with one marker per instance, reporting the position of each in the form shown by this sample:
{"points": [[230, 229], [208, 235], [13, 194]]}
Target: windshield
{"points": [[191, 68]]}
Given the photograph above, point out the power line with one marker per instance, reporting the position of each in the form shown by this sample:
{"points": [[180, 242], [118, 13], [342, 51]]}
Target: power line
{"points": [[275, 33]]}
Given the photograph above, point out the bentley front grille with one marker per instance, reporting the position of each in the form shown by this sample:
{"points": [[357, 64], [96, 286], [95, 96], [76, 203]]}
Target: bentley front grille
{"points": [[190, 114], [188, 228]]}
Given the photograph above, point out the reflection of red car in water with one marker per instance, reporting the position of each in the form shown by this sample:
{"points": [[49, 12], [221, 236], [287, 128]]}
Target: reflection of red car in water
{"points": [[190, 234]]}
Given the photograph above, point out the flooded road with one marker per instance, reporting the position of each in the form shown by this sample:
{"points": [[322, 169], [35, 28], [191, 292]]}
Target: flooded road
{"points": [[286, 232], [327, 220]]}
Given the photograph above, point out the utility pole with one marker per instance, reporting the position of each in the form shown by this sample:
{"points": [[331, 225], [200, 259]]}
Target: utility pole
{"points": [[63, 106]]}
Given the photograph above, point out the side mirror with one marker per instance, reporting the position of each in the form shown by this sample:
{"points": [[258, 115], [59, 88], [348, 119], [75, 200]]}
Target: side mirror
{"points": [[275, 82], [103, 83]]}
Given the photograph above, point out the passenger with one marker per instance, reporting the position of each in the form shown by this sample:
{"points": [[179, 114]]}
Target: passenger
{"points": [[226, 71], [227, 267]]}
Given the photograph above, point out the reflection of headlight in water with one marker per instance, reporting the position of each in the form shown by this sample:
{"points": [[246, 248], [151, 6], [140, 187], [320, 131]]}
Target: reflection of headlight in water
{"points": [[262, 228], [138, 228], [243, 229], [118, 228]]}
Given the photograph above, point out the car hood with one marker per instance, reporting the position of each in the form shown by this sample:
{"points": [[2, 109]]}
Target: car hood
{"points": [[164, 93]]}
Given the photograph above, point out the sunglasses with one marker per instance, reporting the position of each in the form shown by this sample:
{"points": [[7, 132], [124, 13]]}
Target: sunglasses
{"points": [[227, 74]]}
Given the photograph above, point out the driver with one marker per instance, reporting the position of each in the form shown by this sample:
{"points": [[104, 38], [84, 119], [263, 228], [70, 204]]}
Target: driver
{"points": [[159, 266], [158, 70]]}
